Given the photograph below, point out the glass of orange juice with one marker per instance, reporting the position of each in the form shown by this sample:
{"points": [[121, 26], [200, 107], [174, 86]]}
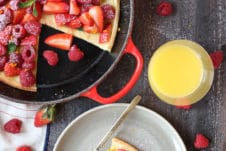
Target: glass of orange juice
{"points": [[180, 72]]}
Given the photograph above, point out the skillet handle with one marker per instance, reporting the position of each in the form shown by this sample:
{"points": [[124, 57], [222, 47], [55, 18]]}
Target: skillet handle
{"points": [[130, 49]]}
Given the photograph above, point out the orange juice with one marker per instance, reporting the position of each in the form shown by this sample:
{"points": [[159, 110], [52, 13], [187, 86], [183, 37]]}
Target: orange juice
{"points": [[180, 72]]}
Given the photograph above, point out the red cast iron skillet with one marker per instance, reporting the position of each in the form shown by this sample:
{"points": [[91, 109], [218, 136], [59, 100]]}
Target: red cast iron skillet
{"points": [[69, 80]]}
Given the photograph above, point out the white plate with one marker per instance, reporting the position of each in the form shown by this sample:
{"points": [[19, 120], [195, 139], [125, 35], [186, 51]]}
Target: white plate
{"points": [[143, 128]]}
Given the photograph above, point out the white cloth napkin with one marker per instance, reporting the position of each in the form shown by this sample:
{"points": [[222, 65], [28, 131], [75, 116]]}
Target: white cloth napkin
{"points": [[29, 135]]}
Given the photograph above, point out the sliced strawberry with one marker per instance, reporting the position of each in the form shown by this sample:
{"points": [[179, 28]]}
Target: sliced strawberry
{"points": [[28, 18], [74, 8], [86, 19], [75, 23], [55, 7], [10, 69], [97, 14], [60, 41], [44, 116], [18, 15], [90, 29], [105, 35]]}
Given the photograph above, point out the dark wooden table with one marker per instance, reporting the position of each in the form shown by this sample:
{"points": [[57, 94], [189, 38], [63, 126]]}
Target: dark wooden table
{"points": [[203, 21]]}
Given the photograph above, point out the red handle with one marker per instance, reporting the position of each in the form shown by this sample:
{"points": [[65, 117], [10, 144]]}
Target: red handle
{"points": [[130, 49]]}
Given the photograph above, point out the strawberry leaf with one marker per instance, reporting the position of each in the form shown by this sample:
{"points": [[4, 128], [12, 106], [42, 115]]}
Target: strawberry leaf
{"points": [[11, 47], [26, 4]]}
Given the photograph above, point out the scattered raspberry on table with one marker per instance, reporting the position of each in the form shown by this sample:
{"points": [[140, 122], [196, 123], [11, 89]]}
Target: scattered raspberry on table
{"points": [[201, 141], [13, 126], [164, 8]]}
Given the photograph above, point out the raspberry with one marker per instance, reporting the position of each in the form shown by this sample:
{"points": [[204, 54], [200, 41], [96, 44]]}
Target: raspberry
{"points": [[96, 2], [3, 60], [85, 8], [217, 58], [27, 78], [185, 107], [75, 23], [29, 40], [33, 27], [109, 11], [24, 148], [201, 141], [51, 57], [2, 50], [164, 8], [5, 17], [10, 69], [28, 53], [14, 4], [5, 35], [13, 126], [84, 1], [16, 58], [28, 65], [62, 19], [75, 54], [18, 31]]}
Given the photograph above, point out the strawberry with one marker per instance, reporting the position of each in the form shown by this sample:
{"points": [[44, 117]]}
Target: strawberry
{"points": [[44, 116], [38, 7], [121, 150], [201, 141], [97, 14], [60, 41], [29, 40], [106, 34], [55, 7], [217, 58], [90, 29], [24, 148], [18, 15], [55, 0], [13, 126], [75, 54], [10, 69], [86, 19], [75, 23], [28, 18], [74, 8]]}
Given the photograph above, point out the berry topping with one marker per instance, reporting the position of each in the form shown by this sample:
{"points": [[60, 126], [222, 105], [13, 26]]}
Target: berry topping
{"points": [[15, 41], [105, 36], [16, 58], [109, 11], [27, 78], [29, 40], [3, 60], [13, 126], [14, 4], [28, 65], [2, 2], [5, 17], [217, 58], [75, 54], [56, 7], [18, 31], [84, 1], [51, 57], [2, 50], [62, 19], [10, 69], [85, 8], [75, 23], [96, 2], [33, 27], [74, 8], [24, 148], [164, 8], [201, 141], [28, 53], [97, 14], [5, 35], [86, 19]]}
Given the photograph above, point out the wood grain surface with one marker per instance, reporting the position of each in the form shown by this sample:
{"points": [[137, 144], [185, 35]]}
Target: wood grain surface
{"points": [[203, 21]]}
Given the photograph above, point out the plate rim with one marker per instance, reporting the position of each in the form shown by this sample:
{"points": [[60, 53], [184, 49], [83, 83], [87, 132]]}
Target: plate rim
{"points": [[153, 113]]}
